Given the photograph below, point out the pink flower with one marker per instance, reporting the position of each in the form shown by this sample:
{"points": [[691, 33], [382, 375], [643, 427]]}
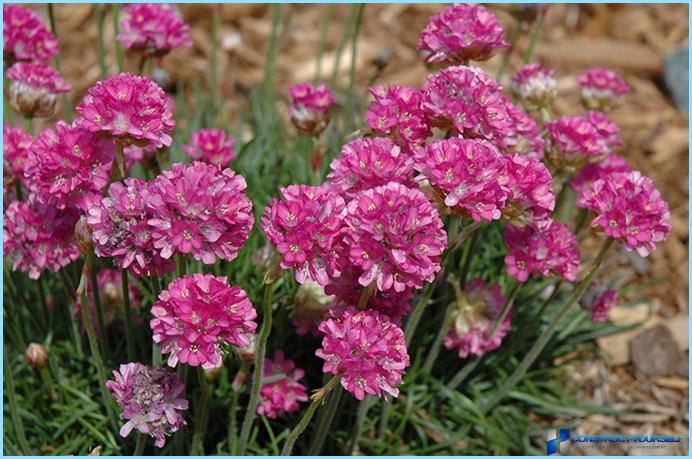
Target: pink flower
{"points": [[601, 88], [153, 29], [24, 36], [468, 102], [197, 316], [309, 110], [304, 228], [366, 350], [131, 109], [475, 312], [312, 307], [367, 163], [551, 250], [396, 113], [606, 129], [534, 86], [598, 300], [629, 209], [15, 150], [211, 146], [395, 236], [281, 396], [151, 400], [523, 135], [530, 200], [610, 165], [467, 173], [68, 163], [34, 88], [37, 235], [461, 33], [200, 209]]}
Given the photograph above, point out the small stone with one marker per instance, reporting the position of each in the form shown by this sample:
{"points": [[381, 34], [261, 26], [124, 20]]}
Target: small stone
{"points": [[676, 71], [655, 353]]}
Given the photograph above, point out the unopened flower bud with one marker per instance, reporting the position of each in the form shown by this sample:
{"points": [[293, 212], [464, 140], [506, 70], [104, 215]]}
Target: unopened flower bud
{"points": [[312, 307], [34, 88], [82, 232], [212, 373], [248, 353], [309, 111], [232, 43], [36, 355]]}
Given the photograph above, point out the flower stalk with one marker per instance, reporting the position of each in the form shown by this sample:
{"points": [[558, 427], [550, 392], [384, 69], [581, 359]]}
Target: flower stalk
{"points": [[197, 438]]}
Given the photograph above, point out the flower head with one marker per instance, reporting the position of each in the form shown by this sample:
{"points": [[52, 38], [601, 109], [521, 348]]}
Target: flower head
{"points": [[281, 396], [628, 208], [462, 32], [130, 109], [309, 110], [366, 350], [523, 135], [598, 300], [475, 312], [534, 86], [197, 316], [153, 29], [34, 88], [211, 146], [15, 150], [24, 36], [601, 88], [530, 200], [151, 400], [610, 165]]}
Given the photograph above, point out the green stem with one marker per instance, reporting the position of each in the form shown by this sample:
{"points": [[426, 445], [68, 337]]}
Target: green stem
{"points": [[48, 381], [119, 54], [469, 250], [233, 428], [67, 107], [534, 38], [330, 410], [196, 440], [286, 451], [439, 339], [182, 265], [140, 67], [141, 443], [70, 290], [323, 41], [464, 372], [215, 27], [7, 108], [26, 124], [505, 59], [342, 45], [363, 408], [98, 14], [547, 333], [156, 348], [14, 412], [349, 94], [259, 369], [528, 330], [129, 330], [99, 314], [119, 160]]}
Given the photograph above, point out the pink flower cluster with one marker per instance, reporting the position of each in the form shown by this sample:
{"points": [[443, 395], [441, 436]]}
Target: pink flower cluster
{"points": [[460, 33], [304, 228], [131, 109], [151, 400], [37, 235], [281, 396], [198, 315], [534, 86], [598, 300], [309, 111], [24, 36], [629, 209], [396, 112], [523, 134], [67, 163], [367, 163], [601, 88], [612, 164], [473, 317], [366, 350], [530, 201], [34, 88], [153, 29], [552, 250], [15, 150], [211, 146]]}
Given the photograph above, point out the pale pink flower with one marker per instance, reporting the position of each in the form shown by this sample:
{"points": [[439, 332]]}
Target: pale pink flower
{"points": [[34, 88], [601, 88], [309, 111], [211, 146], [281, 396], [24, 36], [534, 86], [15, 151], [153, 29]]}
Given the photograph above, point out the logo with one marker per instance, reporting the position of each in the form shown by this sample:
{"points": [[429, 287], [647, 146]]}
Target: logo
{"points": [[556, 443]]}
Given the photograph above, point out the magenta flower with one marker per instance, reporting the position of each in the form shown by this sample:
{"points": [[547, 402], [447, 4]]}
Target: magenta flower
{"points": [[15, 151], [467, 174], [303, 229], [612, 164], [281, 396], [200, 209], [534, 86], [37, 235], [24, 36], [68, 163], [197, 316], [34, 88], [396, 113], [130, 109], [460, 33], [523, 135], [153, 29], [606, 129], [475, 312], [598, 300], [151, 400], [312, 307], [367, 163], [601, 88], [629, 209], [309, 111], [530, 200], [395, 236], [211, 146], [549, 251], [468, 102], [366, 350]]}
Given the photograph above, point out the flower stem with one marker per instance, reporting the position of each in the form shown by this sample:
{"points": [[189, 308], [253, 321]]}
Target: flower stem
{"points": [[182, 265], [67, 107], [99, 314], [130, 334], [437, 344], [70, 290], [323, 429], [534, 38], [349, 94], [141, 443], [215, 27], [12, 401], [363, 408], [527, 330], [119, 54], [196, 440], [342, 45], [323, 41], [156, 348], [259, 369], [120, 159], [233, 428], [505, 59], [7, 108], [547, 333], [98, 14]]}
